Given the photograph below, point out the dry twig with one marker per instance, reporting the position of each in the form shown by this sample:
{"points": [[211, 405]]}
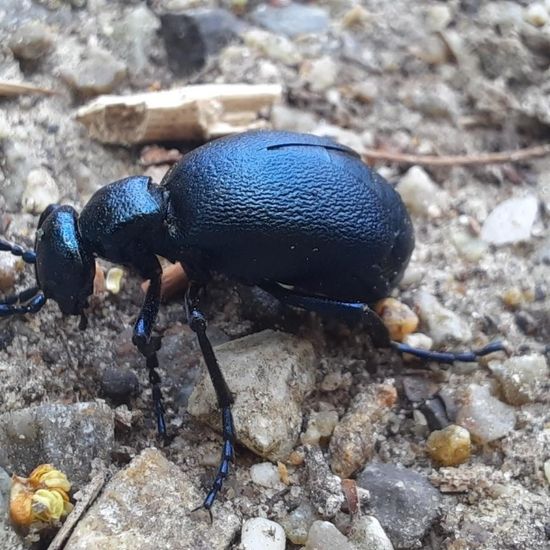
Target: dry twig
{"points": [[10, 88], [373, 155]]}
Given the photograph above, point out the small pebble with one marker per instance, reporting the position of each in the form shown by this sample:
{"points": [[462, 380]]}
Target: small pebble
{"points": [[320, 424], [98, 73], [469, 247], [119, 383], [512, 297], [522, 379], [267, 475], [354, 438], [40, 192], [443, 325], [320, 74], [273, 46], [398, 317], [332, 381], [10, 265], [284, 117], [416, 340], [291, 19], [484, 416], [31, 41], [367, 534], [438, 17], [262, 534], [298, 523], [420, 193], [536, 14], [449, 447], [113, 280], [511, 221], [323, 535]]}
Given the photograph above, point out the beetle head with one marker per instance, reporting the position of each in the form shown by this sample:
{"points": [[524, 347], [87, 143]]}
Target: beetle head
{"points": [[65, 267]]}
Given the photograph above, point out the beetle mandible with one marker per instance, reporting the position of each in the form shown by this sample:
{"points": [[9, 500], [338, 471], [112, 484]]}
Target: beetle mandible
{"points": [[297, 215]]}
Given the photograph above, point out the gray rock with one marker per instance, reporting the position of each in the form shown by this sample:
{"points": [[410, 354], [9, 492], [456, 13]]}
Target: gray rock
{"points": [[98, 73], [119, 384], [136, 34], [190, 37], [269, 374], [67, 436], [298, 523], [404, 502], [292, 19], [511, 221], [31, 41], [147, 506], [325, 489]]}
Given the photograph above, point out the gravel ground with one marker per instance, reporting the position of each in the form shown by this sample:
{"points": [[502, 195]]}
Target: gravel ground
{"points": [[455, 77]]}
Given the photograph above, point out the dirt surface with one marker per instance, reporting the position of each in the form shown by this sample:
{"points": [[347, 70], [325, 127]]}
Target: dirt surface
{"points": [[402, 76]]}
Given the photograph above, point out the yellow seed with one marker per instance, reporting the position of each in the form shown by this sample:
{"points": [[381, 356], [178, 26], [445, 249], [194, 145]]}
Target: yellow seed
{"points": [[113, 281], [450, 446], [399, 318]]}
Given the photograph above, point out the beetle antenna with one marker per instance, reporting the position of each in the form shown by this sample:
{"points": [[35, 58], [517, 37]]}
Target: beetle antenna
{"points": [[28, 256], [449, 357], [35, 304]]}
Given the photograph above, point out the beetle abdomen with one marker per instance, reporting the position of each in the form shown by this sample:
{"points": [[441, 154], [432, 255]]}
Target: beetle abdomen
{"points": [[291, 208]]}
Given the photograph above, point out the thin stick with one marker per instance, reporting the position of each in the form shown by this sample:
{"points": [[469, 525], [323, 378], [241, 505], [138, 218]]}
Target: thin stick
{"points": [[11, 88], [373, 155]]}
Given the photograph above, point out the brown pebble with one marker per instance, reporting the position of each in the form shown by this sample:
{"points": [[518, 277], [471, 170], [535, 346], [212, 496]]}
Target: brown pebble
{"points": [[399, 318], [450, 446]]}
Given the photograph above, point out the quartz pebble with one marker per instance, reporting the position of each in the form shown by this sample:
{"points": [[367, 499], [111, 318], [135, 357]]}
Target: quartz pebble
{"points": [[484, 416], [262, 534], [269, 374], [438, 17], [404, 502], [113, 280], [267, 475], [367, 534], [354, 438], [31, 41], [469, 247], [416, 340], [536, 14], [323, 535], [511, 221], [443, 325], [320, 424], [298, 523], [98, 73], [450, 446], [522, 379], [273, 46], [291, 19], [398, 317], [40, 192], [320, 73], [420, 193]]}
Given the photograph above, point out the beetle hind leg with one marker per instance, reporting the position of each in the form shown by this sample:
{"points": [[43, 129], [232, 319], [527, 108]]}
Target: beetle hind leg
{"points": [[30, 300], [449, 357], [28, 256], [197, 323]]}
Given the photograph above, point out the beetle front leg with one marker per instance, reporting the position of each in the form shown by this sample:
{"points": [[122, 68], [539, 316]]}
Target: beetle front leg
{"points": [[197, 323], [148, 345]]}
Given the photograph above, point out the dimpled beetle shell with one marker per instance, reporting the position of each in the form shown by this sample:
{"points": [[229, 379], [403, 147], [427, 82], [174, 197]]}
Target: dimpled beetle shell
{"points": [[296, 209]]}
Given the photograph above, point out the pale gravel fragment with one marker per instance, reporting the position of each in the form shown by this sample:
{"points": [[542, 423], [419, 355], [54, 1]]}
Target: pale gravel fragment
{"points": [[420, 193], [269, 374], [40, 192], [262, 534], [147, 506], [366, 533], [323, 535], [267, 475]]}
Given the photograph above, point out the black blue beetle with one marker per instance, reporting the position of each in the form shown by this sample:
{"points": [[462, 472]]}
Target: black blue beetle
{"points": [[298, 215]]}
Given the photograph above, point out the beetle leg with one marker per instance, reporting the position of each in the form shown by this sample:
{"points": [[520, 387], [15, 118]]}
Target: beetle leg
{"points": [[34, 305], [448, 356], [28, 256], [353, 312], [147, 345], [197, 323]]}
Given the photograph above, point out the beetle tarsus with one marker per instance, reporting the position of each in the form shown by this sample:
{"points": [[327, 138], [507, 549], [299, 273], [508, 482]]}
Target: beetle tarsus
{"points": [[28, 256], [197, 323], [33, 306], [447, 356]]}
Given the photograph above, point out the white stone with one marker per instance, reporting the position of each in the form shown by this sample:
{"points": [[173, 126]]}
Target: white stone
{"points": [[262, 534], [298, 523], [267, 475], [368, 534], [484, 415], [420, 193], [438, 17], [443, 325], [41, 191], [321, 73], [511, 221], [323, 535], [536, 14], [469, 247]]}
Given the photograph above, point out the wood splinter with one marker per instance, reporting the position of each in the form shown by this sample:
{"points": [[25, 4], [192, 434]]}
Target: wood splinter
{"points": [[194, 113]]}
